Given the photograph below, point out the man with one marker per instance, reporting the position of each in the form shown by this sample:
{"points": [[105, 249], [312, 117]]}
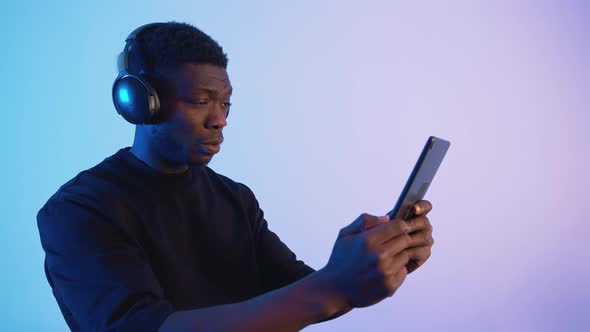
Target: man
{"points": [[153, 239]]}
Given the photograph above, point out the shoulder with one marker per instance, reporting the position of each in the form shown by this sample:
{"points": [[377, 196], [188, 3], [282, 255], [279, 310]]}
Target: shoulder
{"points": [[85, 213], [100, 189]]}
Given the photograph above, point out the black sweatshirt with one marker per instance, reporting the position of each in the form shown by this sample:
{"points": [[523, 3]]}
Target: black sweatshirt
{"points": [[126, 245]]}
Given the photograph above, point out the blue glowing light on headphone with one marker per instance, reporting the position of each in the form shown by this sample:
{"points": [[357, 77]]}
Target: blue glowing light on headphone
{"points": [[124, 95]]}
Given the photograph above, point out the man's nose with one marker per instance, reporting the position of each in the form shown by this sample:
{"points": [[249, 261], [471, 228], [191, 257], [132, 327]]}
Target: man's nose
{"points": [[217, 117]]}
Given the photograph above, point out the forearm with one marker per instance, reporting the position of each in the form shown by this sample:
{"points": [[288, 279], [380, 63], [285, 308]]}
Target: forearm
{"points": [[290, 308], [335, 315]]}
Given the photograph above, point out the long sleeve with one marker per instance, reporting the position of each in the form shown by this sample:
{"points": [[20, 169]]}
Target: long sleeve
{"points": [[99, 276]]}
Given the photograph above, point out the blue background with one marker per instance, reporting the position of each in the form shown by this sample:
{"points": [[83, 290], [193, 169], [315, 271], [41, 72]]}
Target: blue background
{"points": [[332, 103]]}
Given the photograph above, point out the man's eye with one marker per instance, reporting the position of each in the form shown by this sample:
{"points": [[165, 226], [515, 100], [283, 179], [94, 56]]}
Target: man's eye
{"points": [[200, 101], [227, 104]]}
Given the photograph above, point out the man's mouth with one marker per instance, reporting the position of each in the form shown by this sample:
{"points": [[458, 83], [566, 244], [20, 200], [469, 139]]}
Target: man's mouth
{"points": [[211, 146], [215, 141]]}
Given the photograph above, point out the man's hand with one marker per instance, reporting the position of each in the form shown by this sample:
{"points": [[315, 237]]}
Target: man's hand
{"points": [[373, 255], [368, 261], [421, 234], [419, 250]]}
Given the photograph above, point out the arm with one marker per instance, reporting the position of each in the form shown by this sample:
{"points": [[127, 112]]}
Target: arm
{"points": [[105, 282], [280, 266], [99, 276], [368, 263], [336, 315], [290, 308]]}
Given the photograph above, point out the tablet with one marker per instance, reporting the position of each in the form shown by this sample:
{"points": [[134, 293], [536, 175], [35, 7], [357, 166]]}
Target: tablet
{"points": [[428, 163]]}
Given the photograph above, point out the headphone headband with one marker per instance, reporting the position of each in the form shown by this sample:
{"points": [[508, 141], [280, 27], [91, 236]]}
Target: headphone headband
{"points": [[123, 58]]}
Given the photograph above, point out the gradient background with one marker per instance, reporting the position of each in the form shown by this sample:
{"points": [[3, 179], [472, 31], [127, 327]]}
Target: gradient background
{"points": [[332, 104]]}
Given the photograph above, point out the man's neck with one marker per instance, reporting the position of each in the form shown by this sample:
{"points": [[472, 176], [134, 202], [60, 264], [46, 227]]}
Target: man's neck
{"points": [[144, 153]]}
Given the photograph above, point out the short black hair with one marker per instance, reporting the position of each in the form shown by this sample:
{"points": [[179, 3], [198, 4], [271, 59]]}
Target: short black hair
{"points": [[171, 44]]}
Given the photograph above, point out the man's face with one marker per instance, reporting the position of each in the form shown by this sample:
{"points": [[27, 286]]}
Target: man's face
{"points": [[195, 101]]}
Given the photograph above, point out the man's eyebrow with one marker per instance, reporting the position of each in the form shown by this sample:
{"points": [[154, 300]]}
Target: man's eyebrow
{"points": [[212, 92]]}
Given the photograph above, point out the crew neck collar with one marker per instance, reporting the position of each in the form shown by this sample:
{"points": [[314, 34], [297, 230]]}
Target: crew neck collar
{"points": [[139, 165]]}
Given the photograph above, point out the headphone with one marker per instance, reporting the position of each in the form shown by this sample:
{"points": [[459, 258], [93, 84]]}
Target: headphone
{"points": [[134, 98]]}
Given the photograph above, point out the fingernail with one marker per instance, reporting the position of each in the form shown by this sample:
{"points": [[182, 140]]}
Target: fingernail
{"points": [[417, 208], [384, 218]]}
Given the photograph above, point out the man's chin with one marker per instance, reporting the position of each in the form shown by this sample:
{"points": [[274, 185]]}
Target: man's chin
{"points": [[200, 159]]}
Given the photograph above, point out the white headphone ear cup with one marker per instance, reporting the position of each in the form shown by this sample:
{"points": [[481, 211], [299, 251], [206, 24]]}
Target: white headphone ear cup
{"points": [[135, 100]]}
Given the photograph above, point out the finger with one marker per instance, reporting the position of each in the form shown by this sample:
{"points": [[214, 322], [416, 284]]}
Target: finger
{"points": [[394, 281], [364, 222], [392, 256], [397, 262], [418, 223], [387, 231], [417, 245], [419, 254], [373, 221], [414, 265], [395, 245], [422, 237], [401, 275], [422, 207]]}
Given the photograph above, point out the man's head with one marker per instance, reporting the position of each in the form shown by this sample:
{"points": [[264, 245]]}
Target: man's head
{"points": [[187, 68]]}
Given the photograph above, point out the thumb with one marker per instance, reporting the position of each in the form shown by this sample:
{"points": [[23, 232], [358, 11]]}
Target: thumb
{"points": [[363, 223]]}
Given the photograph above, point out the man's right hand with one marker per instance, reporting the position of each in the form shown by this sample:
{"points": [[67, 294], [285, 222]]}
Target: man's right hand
{"points": [[368, 261]]}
